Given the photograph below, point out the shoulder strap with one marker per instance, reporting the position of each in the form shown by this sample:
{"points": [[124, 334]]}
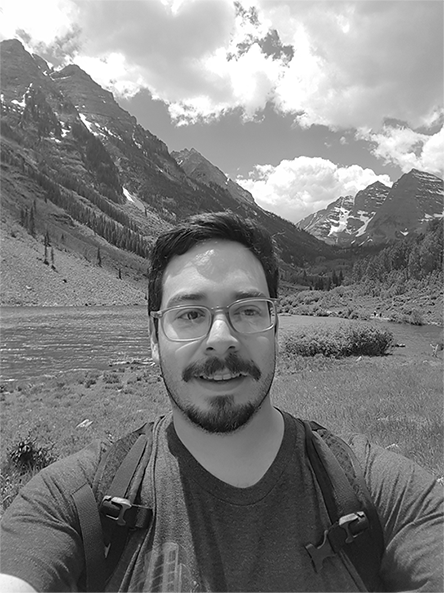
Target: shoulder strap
{"points": [[107, 510], [355, 526]]}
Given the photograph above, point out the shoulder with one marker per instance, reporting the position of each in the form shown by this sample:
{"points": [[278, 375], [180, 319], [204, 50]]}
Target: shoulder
{"points": [[393, 479], [53, 486], [76, 469]]}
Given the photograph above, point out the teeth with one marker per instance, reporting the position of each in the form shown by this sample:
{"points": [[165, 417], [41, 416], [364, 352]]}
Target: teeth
{"points": [[225, 377]]}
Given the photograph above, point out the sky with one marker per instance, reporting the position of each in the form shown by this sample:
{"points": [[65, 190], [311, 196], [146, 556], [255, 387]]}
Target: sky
{"points": [[299, 101]]}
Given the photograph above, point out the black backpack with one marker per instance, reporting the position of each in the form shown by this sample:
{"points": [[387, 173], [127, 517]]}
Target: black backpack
{"points": [[110, 509]]}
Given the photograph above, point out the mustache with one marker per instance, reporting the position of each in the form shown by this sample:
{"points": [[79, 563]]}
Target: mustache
{"points": [[232, 363]]}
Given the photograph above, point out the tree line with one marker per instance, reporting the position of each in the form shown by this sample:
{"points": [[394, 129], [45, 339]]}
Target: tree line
{"points": [[116, 233], [415, 257]]}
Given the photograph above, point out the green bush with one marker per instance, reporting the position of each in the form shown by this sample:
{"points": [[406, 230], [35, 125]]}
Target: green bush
{"points": [[111, 378], [415, 318], [346, 340], [27, 455]]}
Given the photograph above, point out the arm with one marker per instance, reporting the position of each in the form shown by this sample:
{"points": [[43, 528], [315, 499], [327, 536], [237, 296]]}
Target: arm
{"points": [[410, 506], [14, 585], [40, 532]]}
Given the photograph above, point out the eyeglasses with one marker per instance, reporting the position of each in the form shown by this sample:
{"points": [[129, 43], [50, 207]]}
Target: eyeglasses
{"points": [[185, 323]]}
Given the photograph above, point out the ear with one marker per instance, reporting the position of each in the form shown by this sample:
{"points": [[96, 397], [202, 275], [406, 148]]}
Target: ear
{"points": [[154, 341]]}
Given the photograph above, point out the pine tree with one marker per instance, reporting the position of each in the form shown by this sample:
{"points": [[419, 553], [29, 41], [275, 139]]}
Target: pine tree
{"points": [[31, 223]]}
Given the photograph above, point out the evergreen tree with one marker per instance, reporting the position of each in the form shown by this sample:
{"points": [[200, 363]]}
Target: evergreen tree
{"points": [[31, 223]]}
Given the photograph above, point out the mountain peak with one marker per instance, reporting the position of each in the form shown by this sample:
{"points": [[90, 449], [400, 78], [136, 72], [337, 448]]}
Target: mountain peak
{"points": [[201, 169], [12, 45], [334, 224], [72, 70]]}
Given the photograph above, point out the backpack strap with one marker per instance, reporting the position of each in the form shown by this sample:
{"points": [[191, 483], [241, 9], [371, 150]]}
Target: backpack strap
{"points": [[107, 511], [355, 527], [91, 530]]}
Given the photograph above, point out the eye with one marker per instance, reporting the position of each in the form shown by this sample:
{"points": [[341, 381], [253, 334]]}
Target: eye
{"points": [[249, 310], [190, 315]]}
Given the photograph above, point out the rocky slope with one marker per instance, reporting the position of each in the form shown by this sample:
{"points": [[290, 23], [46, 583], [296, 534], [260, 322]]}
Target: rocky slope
{"points": [[413, 201], [79, 169], [198, 167], [379, 214], [71, 281]]}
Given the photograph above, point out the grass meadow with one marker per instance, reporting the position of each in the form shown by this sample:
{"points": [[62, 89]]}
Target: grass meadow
{"points": [[397, 402]]}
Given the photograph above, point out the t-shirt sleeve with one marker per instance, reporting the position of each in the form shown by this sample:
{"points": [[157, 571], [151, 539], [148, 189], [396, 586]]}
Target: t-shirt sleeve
{"points": [[40, 539], [410, 505]]}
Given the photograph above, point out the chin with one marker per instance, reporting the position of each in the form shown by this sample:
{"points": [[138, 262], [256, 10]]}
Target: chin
{"points": [[224, 416]]}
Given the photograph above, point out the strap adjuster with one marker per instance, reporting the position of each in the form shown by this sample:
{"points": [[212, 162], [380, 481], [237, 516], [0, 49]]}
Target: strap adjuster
{"points": [[115, 508], [353, 524], [334, 538]]}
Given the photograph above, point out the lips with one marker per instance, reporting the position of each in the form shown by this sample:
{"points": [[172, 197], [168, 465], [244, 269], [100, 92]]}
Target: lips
{"points": [[221, 370], [222, 376]]}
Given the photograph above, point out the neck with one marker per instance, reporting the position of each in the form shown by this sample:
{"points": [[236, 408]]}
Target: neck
{"points": [[239, 458]]}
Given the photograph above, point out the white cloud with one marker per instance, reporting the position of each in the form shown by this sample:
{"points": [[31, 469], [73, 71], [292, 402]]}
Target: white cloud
{"points": [[408, 149], [42, 22], [345, 65], [353, 64], [294, 189]]}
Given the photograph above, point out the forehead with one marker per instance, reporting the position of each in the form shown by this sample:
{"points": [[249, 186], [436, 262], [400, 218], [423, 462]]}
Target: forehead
{"points": [[225, 267]]}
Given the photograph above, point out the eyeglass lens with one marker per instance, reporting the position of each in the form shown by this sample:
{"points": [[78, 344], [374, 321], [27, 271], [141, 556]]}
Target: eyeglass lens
{"points": [[192, 322]]}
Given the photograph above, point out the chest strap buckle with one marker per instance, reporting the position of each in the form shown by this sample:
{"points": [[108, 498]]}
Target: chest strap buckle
{"points": [[344, 531]]}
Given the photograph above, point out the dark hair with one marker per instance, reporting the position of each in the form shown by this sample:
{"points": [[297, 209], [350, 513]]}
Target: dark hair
{"points": [[205, 227]]}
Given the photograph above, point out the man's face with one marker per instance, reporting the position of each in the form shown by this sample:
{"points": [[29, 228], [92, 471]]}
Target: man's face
{"points": [[215, 274]]}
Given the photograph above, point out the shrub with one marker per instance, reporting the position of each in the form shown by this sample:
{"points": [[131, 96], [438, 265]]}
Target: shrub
{"points": [[28, 456], [346, 340], [415, 318], [111, 378]]}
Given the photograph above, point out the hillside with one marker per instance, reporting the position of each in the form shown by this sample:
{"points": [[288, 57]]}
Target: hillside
{"points": [[80, 174], [378, 214], [75, 281]]}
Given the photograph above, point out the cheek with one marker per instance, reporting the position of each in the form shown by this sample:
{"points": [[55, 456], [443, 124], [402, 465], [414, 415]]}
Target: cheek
{"points": [[176, 356], [267, 346]]}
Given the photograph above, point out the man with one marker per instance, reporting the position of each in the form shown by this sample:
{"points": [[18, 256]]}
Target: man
{"points": [[235, 499]]}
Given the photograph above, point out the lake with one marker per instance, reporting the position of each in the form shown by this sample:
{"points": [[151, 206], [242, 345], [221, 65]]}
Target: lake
{"points": [[42, 341], [46, 341]]}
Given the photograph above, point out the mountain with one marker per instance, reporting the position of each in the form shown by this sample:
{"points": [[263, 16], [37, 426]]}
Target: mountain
{"points": [[82, 178], [344, 218], [198, 167], [379, 214], [413, 201]]}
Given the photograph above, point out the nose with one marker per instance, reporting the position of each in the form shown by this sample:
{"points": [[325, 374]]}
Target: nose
{"points": [[221, 336]]}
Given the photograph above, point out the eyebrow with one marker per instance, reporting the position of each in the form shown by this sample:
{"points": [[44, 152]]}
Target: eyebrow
{"points": [[183, 297], [178, 299]]}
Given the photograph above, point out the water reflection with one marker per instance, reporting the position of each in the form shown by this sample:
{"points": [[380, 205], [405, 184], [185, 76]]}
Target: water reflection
{"points": [[38, 341]]}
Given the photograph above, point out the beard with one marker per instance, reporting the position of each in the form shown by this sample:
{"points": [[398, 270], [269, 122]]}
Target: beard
{"points": [[224, 414]]}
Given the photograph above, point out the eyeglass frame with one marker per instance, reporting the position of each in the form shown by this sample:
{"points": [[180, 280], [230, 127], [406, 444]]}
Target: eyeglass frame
{"points": [[159, 315]]}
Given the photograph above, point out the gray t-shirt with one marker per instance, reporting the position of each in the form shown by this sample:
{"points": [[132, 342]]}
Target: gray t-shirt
{"points": [[209, 536]]}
